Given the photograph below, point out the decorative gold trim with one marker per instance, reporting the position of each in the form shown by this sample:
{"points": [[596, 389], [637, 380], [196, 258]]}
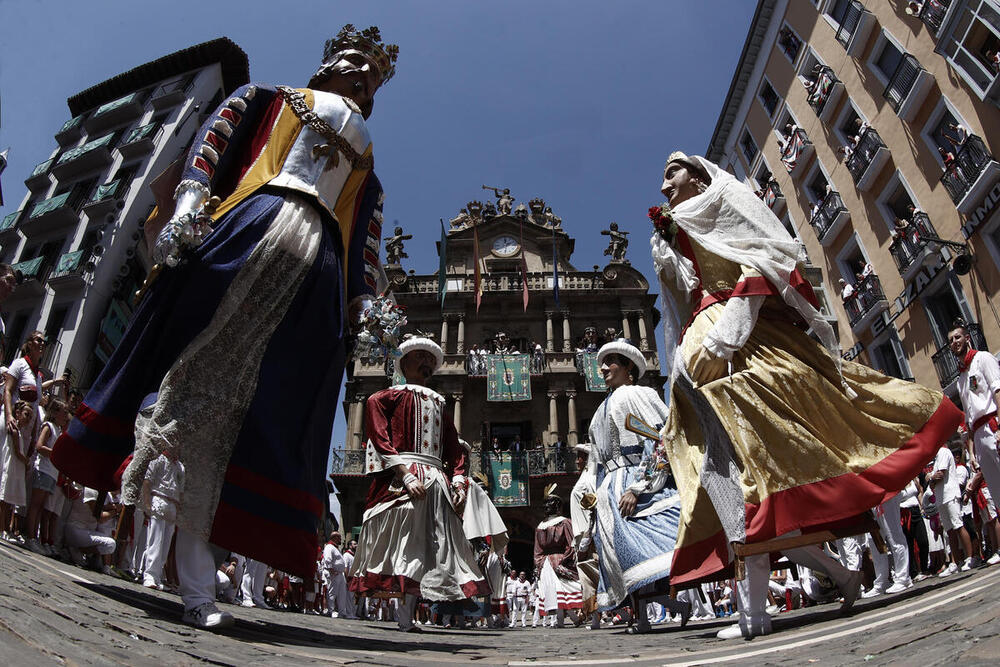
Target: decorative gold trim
{"points": [[308, 117]]}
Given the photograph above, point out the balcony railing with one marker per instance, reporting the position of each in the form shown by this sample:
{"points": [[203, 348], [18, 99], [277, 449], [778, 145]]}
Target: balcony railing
{"points": [[909, 243], [902, 81], [850, 23], [932, 14], [9, 222], [868, 296], [33, 272], [772, 195], [55, 211], [796, 150], [828, 217], [824, 90], [92, 154], [39, 178], [539, 461], [511, 282], [70, 131], [944, 359], [870, 148], [970, 162], [140, 140], [69, 269], [171, 93], [117, 112]]}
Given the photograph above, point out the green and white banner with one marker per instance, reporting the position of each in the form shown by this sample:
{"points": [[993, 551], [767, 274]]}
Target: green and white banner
{"points": [[592, 372], [509, 480], [508, 377]]}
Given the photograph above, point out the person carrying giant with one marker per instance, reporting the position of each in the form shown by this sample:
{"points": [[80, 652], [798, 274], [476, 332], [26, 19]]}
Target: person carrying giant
{"points": [[235, 356]]}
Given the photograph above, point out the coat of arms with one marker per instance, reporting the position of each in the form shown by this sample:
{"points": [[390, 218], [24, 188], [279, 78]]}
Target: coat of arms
{"points": [[505, 480]]}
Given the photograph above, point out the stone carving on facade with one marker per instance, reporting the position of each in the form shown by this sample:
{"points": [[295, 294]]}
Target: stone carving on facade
{"points": [[618, 243], [521, 212], [462, 220], [553, 220]]}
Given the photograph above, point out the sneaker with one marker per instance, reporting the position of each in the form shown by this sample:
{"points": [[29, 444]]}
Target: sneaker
{"points": [[872, 592], [247, 603], [922, 576], [208, 616], [18, 540], [994, 559], [977, 561], [967, 565], [899, 587], [948, 571], [34, 546], [149, 582]]}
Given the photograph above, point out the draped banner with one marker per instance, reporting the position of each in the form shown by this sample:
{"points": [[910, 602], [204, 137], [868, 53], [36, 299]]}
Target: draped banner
{"points": [[509, 480], [508, 377], [592, 372]]}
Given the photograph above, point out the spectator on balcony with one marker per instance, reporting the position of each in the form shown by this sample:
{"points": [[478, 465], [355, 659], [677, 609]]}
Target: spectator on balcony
{"points": [[867, 270], [961, 134], [846, 151], [862, 127], [947, 157], [993, 58], [846, 289], [472, 361], [914, 212], [515, 447], [538, 359], [495, 448]]}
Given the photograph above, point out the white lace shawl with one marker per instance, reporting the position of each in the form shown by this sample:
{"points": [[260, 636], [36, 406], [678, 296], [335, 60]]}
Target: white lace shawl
{"points": [[730, 221]]}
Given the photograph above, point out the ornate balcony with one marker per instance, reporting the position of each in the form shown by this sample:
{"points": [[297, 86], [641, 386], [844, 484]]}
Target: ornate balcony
{"points": [[93, 154], [971, 175], [830, 218], [55, 212], [909, 248], [944, 360], [908, 87], [540, 462], [932, 14], [826, 94], [117, 112], [70, 132], [855, 28], [867, 303], [868, 158], [70, 269], [796, 151], [140, 141], [107, 198], [39, 179], [171, 94]]}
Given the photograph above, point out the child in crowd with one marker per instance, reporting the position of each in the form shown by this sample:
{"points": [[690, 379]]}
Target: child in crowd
{"points": [[13, 486], [40, 522]]}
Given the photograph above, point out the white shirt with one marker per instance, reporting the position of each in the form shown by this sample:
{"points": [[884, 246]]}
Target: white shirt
{"points": [[80, 513], [908, 496], [962, 478], [947, 489], [978, 385], [348, 561], [42, 463], [511, 587], [333, 561], [24, 376], [521, 588], [166, 478]]}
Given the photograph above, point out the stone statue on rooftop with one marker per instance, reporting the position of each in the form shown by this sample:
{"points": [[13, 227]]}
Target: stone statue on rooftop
{"points": [[394, 246], [618, 243]]}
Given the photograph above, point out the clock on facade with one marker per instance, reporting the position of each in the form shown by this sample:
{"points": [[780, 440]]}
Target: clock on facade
{"points": [[505, 246]]}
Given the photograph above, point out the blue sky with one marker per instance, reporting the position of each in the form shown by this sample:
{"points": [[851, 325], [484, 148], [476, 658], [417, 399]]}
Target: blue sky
{"points": [[577, 102]]}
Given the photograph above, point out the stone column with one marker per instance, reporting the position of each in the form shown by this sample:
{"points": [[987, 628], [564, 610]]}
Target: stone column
{"points": [[444, 334], [626, 326], [461, 334], [355, 423], [550, 343], [572, 437], [553, 417], [457, 413], [567, 341], [643, 332]]}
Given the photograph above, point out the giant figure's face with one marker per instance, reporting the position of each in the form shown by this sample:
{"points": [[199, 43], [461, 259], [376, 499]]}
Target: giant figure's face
{"points": [[352, 74], [615, 369], [417, 366], [679, 184]]}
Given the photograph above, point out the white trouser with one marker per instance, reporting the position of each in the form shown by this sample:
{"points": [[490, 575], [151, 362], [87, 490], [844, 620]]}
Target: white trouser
{"points": [[752, 589], [138, 547], [224, 587], [196, 570], [892, 531], [254, 578], [849, 551], [79, 537], [698, 607], [520, 606], [337, 598], [158, 537], [985, 444]]}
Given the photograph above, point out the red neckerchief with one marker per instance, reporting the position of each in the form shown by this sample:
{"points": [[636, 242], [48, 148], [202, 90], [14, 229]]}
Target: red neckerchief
{"points": [[33, 367], [964, 364]]}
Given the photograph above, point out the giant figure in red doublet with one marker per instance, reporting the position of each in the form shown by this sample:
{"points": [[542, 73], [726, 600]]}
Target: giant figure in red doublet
{"points": [[555, 560], [412, 543]]}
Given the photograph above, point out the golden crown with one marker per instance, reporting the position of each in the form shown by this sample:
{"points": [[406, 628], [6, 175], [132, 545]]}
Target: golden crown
{"points": [[368, 42]]}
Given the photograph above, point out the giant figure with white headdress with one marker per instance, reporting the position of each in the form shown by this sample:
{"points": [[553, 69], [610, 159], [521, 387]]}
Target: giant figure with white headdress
{"points": [[769, 431], [412, 542]]}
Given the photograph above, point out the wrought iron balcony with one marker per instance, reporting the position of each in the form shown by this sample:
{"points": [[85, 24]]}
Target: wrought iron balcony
{"points": [[33, 272], [140, 140], [867, 159], [107, 198], [932, 14], [55, 212], [171, 94], [973, 171], [69, 270], [909, 245], [39, 179], [855, 28], [116, 112], [944, 360], [796, 150], [908, 87], [70, 131], [826, 93], [540, 462], [93, 154], [829, 218], [9, 223], [866, 303], [772, 196]]}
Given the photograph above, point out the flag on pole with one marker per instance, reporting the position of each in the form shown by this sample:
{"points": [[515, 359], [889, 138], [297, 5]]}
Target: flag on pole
{"points": [[524, 272], [443, 266], [478, 273], [555, 268], [3, 165]]}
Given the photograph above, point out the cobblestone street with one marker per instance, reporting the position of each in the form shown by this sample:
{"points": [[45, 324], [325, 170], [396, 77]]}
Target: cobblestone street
{"points": [[53, 613]]}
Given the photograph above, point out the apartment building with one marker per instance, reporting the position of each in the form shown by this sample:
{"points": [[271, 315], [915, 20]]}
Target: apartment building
{"points": [[77, 235], [871, 129]]}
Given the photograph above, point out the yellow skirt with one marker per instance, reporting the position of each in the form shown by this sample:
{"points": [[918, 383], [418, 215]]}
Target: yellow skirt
{"points": [[808, 455]]}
